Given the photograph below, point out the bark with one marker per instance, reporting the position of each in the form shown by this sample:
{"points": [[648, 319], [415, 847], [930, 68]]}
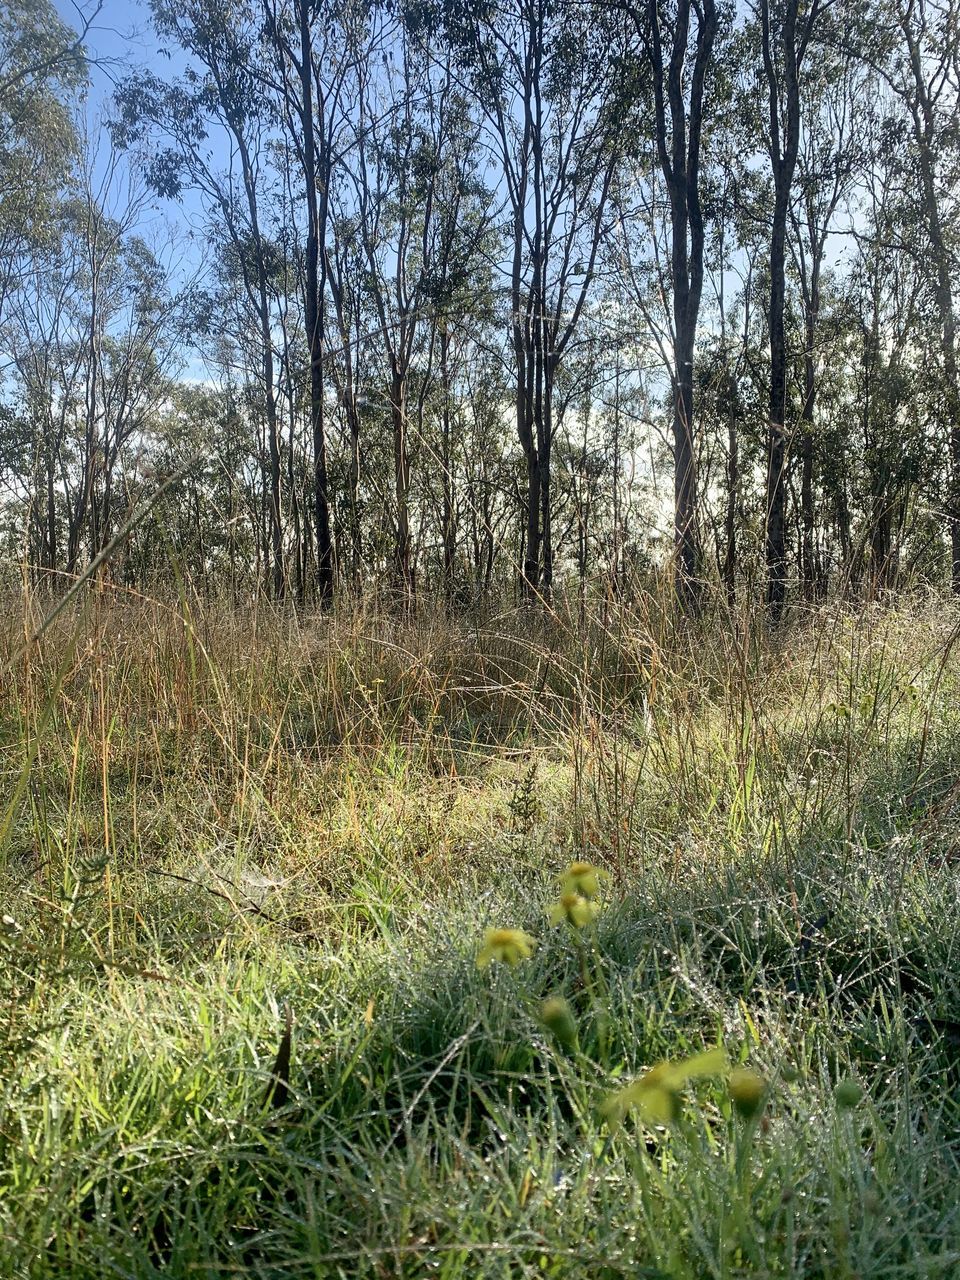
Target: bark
{"points": [[923, 110], [783, 86], [678, 131], [313, 317], [777, 453], [403, 565], [733, 493], [446, 460], [808, 571]]}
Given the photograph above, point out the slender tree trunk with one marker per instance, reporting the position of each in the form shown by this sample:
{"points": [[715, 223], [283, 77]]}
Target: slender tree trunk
{"points": [[260, 292], [943, 293], [546, 447], [733, 493], [403, 566], [808, 571], [313, 317], [273, 435], [446, 461], [923, 110], [686, 525], [525, 432], [50, 553], [783, 88], [352, 410], [777, 454], [678, 124]]}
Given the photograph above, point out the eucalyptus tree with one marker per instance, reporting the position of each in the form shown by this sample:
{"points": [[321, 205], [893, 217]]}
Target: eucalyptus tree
{"points": [[833, 147], [197, 472], [786, 31], [458, 240], [94, 335], [915, 45], [38, 50], [208, 130], [44, 64], [394, 201], [678, 41], [314, 46], [410, 218], [734, 251], [553, 83], [896, 407]]}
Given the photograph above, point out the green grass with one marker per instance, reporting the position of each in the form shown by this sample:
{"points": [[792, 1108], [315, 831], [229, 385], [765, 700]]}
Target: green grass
{"points": [[213, 817]]}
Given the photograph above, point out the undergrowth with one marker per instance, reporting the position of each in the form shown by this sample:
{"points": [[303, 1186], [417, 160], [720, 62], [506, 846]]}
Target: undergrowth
{"points": [[248, 862]]}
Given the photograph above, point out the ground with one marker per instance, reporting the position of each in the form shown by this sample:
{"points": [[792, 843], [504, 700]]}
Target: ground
{"points": [[213, 820]]}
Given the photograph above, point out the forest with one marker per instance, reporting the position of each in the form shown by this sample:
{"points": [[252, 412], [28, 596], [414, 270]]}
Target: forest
{"points": [[485, 298], [479, 639]]}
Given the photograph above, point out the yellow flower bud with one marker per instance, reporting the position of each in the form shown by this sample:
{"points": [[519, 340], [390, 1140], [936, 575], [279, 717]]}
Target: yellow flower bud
{"points": [[509, 946], [573, 908], [582, 878], [557, 1016]]}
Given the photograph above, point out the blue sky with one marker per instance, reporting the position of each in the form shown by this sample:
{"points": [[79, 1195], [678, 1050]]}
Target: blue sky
{"points": [[119, 38], [120, 42]]}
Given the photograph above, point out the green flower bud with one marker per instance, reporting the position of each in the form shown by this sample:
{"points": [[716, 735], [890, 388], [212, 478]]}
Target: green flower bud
{"points": [[557, 1016], [847, 1094], [747, 1091]]}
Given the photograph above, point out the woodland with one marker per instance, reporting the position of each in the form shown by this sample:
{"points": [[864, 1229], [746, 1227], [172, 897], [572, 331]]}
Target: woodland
{"points": [[484, 299], [479, 623]]}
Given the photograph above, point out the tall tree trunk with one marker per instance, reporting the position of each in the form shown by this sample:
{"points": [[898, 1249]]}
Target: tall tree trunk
{"points": [[50, 540], [261, 296], [783, 88], [446, 462], [733, 493], [352, 410], [527, 437], [402, 561], [686, 524], [313, 318], [777, 453], [943, 294], [808, 571], [678, 125], [545, 424]]}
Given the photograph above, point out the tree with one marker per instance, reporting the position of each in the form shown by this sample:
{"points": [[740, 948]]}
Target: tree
{"points": [[311, 74], [786, 30], [43, 65], [922, 67], [826, 169], [93, 335], [220, 98], [552, 83], [679, 76]]}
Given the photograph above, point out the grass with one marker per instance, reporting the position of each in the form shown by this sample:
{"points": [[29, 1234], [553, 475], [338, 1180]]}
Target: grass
{"points": [[214, 817]]}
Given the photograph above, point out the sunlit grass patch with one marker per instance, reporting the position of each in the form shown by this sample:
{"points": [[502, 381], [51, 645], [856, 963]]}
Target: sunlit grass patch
{"points": [[223, 821]]}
